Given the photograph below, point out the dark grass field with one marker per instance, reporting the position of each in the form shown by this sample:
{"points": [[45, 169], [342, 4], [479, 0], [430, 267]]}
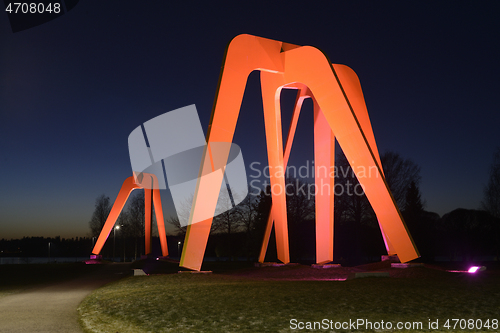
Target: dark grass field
{"points": [[237, 297], [15, 278]]}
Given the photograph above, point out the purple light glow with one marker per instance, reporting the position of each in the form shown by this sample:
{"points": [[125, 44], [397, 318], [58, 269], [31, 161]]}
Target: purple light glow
{"points": [[473, 269]]}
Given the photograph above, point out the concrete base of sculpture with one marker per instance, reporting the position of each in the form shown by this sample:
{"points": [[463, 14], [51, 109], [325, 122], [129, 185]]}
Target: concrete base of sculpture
{"points": [[139, 272], [406, 265], [94, 259], [274, 264], [393, 258], [321, 266]]}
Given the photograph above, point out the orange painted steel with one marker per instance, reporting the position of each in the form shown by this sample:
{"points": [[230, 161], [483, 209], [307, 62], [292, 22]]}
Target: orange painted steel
{"points": [[339, 103], [324, 146], [302, 94], [149, 183], [324, 223]]}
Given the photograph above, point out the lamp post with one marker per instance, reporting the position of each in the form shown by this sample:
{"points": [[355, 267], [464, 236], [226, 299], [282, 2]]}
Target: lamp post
{"points": [[179, 248], [114, 239], [48, 260]]}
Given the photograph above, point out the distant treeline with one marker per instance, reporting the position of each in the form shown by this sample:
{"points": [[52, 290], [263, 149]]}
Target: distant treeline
{"points": [[45, 247], [78, 247], [462, 234]]}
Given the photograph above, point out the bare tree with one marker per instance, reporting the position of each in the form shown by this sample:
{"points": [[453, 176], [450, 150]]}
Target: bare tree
{"points": [[299, 202], [399, 174], [413, 204], [248, 212], [136, 215], [134, 220], [351, 204], [101, 212], [491, 200], [227, 217], [174, 220]]}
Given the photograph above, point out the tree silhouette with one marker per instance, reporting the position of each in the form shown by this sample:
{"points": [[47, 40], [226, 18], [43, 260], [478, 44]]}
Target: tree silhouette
{"points": [[413, 204], [101, 212], [491, 200], [399, 174], [134, 220]]}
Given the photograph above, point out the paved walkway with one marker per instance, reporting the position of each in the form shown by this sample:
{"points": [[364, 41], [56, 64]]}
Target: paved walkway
{"points": [[52, 308]]}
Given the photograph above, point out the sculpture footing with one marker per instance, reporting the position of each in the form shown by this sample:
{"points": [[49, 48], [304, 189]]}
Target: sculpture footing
{"points": [[391, 258], [274, 264], [139, 272], [406, 264], [94, 259], [327, 265]]}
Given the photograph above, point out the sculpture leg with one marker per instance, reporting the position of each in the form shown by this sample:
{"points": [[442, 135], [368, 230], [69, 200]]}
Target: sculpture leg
{"points": [[244, 54], [324, 160], [302, 94], [128, 186], [204, 204], [272, 121], [352, 89], [267, 236], [159, 217], [148, 218], [309, 66]]}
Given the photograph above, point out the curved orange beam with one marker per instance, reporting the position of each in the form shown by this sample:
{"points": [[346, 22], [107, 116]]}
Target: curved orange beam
{"points": [[310, 66], [353, 92]]}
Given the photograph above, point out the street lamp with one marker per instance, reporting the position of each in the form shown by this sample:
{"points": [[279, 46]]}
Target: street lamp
{"points": [[114, 239], [179, 248], [49, 253]]}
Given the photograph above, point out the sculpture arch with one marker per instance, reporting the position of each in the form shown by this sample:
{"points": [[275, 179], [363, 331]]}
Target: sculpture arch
{"points": [[340, 113], [149, 183]]}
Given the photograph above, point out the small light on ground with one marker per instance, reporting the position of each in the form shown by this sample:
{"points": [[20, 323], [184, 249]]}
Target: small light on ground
{"points": [[473, 269]]}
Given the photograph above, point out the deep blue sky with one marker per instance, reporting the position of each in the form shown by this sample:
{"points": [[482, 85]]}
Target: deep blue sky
{"points": [[72, 90]]}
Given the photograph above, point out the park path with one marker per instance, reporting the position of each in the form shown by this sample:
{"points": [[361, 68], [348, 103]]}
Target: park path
{"points": [[52, 308]]}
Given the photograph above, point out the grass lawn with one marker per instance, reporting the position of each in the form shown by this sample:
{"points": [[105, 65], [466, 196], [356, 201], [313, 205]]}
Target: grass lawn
{"points": [[244, 303]]}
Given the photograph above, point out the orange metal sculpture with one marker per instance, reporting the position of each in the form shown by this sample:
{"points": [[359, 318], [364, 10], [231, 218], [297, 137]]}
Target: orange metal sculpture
{"points": [[339, 113], [149, 183], [339, 109]]}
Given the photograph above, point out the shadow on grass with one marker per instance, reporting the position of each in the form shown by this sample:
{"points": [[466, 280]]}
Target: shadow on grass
{"points": [[15, 278], [169, 266]]}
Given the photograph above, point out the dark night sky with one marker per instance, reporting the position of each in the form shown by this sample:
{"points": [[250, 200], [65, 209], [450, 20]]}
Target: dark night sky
{"points": [[72, 90]]}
